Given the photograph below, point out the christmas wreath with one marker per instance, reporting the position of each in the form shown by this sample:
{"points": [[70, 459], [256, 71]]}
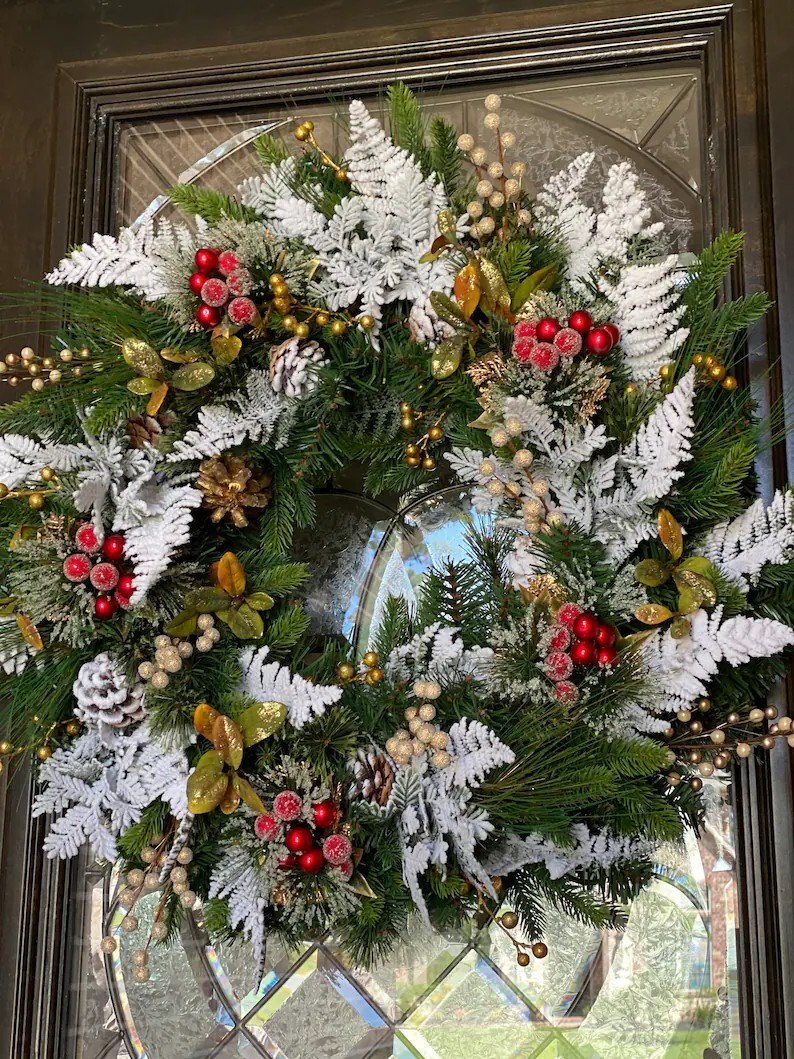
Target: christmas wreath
{"points": [[546, 714]]}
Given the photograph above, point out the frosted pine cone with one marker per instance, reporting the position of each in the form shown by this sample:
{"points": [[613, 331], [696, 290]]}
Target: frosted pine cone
{"points": [[374, 778], [293, 367], [103, 696]]}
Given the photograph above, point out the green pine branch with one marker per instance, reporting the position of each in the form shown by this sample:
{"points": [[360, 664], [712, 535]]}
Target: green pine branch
{"points": [[211, 206]]}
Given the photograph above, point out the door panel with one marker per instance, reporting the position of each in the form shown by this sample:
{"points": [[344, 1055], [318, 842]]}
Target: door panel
{"points": [[674, 92]]}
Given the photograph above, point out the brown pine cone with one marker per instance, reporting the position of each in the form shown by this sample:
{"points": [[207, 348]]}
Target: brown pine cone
{"points": [[143, 430]]}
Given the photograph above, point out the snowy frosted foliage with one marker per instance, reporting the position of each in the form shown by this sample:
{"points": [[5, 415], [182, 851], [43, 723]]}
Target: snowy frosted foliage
{"points": [[102, 789], [271, 682], [438, 653], [251, 414], [601, 251], [613, 497], [599, 849], [15, 652], [246, 888], [437, 825], [760, 535], [475, 751], [139, 258], [369, 249], [101, 466], [647, 311], [156, 518], [682, 669]]}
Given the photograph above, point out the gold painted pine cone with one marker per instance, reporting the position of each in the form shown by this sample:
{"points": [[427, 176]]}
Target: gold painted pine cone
{"points": [[231, 489]]}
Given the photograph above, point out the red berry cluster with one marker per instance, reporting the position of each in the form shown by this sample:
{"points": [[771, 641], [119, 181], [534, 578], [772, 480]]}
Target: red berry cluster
{"points": [[577, 638], [221, 281], [543, 342], [308, 850], [97, 562]]}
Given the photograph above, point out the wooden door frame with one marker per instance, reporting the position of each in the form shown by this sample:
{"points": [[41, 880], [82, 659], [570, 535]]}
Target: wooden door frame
{"points": [[93, 101]]}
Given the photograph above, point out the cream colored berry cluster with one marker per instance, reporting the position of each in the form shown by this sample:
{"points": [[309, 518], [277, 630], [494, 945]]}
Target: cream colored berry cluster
{"points": [[421, 736]]}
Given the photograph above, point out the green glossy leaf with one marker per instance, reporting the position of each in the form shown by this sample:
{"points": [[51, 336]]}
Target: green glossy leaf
{"points": [[260, 601], [446, 309], [651, 572], [142, 386], [540, 279], [245, 622], [207, 600], [446, 357], [689, 600], [184, 624], [206, 785], [193, 376]]}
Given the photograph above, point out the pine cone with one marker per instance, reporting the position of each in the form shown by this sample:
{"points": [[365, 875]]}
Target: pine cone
{"points": [[374, 778], [230, 487], [292, 367], [143, 430], [103, 696]]}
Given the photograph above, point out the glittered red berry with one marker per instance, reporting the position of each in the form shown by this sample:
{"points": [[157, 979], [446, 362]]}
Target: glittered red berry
{"points": [[266, 827], [287, 805], [605, 635], [547, 328], [288, 862], [126, 585], [227, 262], [197, 281], [561, 639], [324, 813], [208, 316], [77, 567], [242, 311], [613, 332], [580, 321], [586, 626], [568, 613], [299, 839], [568, 341], [215, 293], [525, 329], [113, 547], [565, 691], [105, 607], [337, 849], [87, 539], [599, 341], [346, 868], [522, 349], [206, 259], [544, 357], [239, 282], [311, 862], [583, 653], [123, 601], [104, 577], [559, 666], [606, 656]]}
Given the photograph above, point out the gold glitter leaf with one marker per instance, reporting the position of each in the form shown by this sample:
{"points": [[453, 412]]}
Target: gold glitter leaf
{"points": [[651, 572], [467, 289], [204, 717], [226, 348], [227, 740], [207, 784], [230, 574], [652, 614], [245, 791], [142, 358], [670, 533], [30, 634], [494, 288], [156, 400], [261, 720]]}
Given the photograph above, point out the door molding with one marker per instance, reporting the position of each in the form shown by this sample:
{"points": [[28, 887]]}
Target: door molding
{"points": [[93, 102]]}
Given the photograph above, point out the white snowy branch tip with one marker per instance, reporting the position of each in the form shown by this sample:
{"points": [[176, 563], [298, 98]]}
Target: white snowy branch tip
{"points": [[272, 682]]}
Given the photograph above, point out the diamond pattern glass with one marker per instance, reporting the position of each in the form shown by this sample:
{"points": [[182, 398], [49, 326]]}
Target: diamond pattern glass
{"points": [[664, 988]]}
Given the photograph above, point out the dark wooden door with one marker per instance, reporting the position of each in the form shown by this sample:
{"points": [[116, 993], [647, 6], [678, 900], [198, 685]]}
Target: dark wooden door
{"points": [[104, 103]]}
